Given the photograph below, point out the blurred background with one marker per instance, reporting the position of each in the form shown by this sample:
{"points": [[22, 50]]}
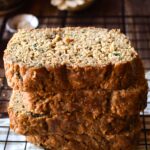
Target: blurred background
{"points": [[131, 16]]}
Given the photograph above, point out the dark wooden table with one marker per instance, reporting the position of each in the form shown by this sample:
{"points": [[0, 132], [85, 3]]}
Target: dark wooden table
{"points": [[131, 16]]}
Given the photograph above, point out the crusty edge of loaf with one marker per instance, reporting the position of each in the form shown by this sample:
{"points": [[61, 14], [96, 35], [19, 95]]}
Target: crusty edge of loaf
{"points": [[60, 78], [119, 102], [126, 140], [28, 123], [129, 102]]}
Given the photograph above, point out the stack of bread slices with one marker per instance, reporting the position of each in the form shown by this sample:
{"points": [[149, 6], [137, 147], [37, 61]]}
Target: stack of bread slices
{"points": [[75, 88]]}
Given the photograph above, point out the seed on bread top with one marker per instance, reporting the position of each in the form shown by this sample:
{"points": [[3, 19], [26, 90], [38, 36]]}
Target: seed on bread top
{"points": [[73, 46]]}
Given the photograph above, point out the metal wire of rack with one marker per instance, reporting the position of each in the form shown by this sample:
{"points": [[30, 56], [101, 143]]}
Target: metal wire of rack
{"points": [[137, 28]]}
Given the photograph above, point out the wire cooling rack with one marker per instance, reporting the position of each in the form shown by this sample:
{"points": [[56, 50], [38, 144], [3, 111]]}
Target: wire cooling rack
{"points": [[137, 28]]}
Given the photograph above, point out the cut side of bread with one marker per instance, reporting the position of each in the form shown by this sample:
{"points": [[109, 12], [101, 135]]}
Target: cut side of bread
{"points": [[71, 58], [28, 123], [70, 46]]}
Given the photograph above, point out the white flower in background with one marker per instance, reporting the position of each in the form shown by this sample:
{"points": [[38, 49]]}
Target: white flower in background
{"points": [[71, 4]]}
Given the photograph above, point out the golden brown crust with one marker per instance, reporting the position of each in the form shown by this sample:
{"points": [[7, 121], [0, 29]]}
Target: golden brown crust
{"points": [[75, 122], [120, 102], [95, 102], [122, 141], [129, 102], [60, 78]]}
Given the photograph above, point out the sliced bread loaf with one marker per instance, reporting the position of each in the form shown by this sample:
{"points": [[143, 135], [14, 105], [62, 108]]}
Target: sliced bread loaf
{"points": [[71, 58], [28, 123]]}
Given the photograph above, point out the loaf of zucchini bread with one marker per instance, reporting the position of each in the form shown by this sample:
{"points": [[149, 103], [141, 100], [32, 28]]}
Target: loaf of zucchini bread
{"points": [[71, 58], [75, 88]]}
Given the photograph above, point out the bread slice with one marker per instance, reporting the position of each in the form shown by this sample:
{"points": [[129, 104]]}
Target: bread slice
{"points": [[71, 58], [123, 141], [97, 102], [28, 123]]}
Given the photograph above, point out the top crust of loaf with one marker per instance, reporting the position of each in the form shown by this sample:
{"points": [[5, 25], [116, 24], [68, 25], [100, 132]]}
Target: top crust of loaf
{"points": [[72, 46]]}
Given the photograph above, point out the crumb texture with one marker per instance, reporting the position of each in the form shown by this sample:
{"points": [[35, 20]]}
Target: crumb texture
{"points": [[70, 46]]}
